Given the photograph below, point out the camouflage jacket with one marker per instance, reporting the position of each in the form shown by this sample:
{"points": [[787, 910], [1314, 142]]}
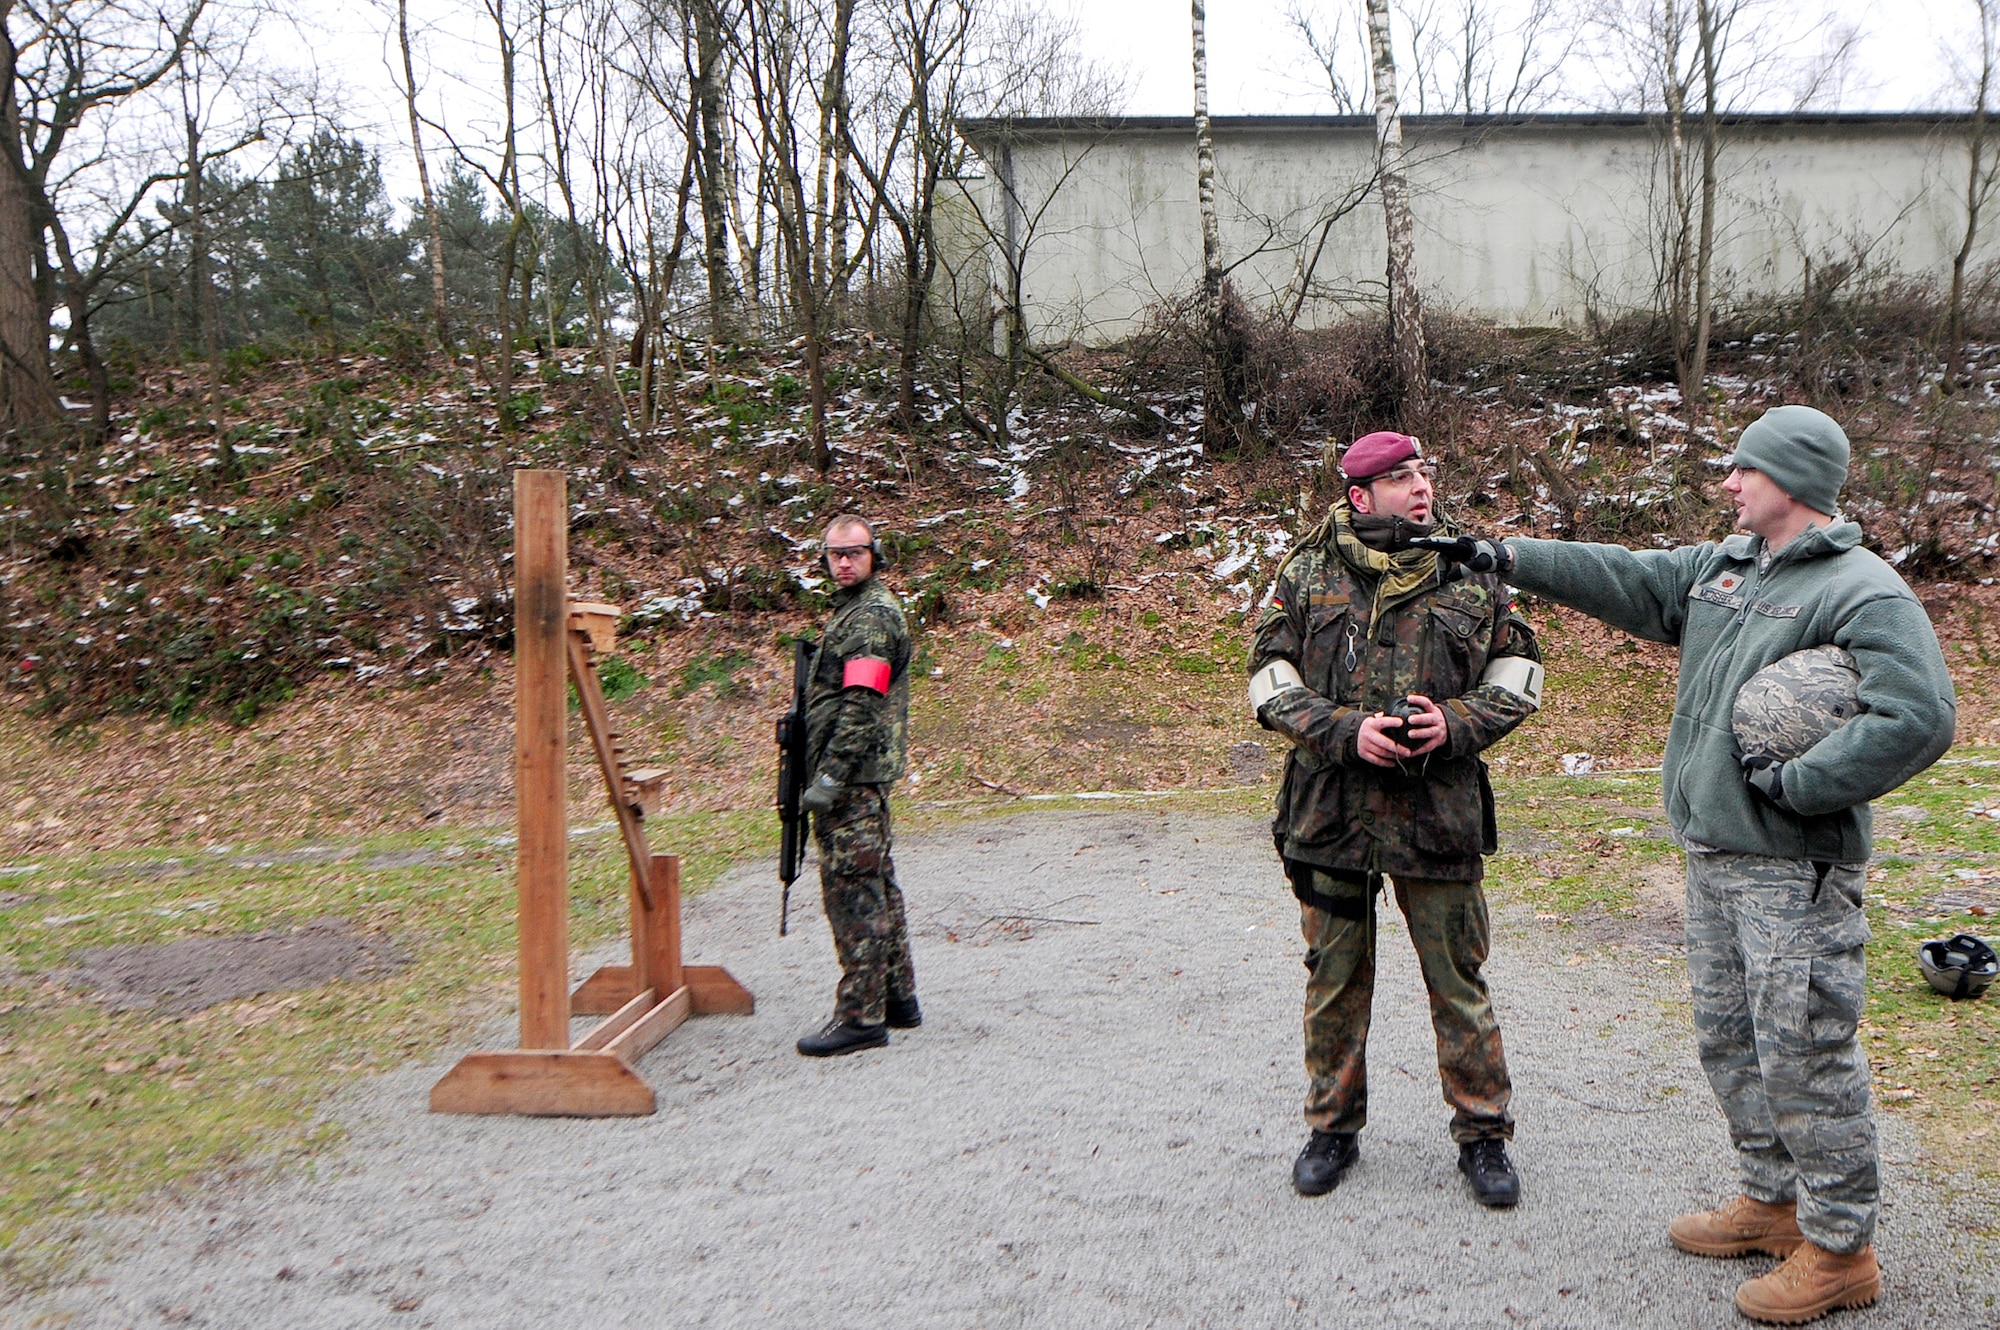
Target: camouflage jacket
{"points": [[855, 734], [1430, 817]]}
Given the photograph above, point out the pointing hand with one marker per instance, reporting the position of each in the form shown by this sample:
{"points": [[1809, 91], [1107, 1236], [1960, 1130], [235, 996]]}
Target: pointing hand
{"points": [[1475, 552]]}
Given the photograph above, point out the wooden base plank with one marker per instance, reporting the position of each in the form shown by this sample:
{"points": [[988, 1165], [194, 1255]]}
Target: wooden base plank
{"points": [[604, 992], [543, 1083], [716, 992], [654, 1026], [617, 1023]]}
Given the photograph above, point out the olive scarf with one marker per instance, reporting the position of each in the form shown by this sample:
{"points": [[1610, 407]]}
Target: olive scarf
{"points": [[1398, 571]]}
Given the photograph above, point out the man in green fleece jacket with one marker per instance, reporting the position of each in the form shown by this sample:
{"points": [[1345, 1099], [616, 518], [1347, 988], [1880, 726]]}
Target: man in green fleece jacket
{"points": [[1776, 852]]}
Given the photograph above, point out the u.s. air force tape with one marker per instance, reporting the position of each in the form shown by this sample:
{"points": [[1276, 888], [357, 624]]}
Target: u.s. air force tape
{"points": [[1271, 680], [1518, 675]]}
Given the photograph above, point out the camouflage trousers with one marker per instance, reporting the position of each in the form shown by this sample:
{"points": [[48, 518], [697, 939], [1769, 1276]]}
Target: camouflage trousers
{"points": [[1776, 956], [864, 906], [1449, 927]]}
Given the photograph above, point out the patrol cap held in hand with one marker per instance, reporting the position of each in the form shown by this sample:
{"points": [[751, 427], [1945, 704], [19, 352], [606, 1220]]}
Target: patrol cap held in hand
{"points": [[1803, 451], [1377, 454]]}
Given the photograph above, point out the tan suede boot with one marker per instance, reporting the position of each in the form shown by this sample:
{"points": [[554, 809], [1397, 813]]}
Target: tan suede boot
{"points": [[1739, 1228], [1812, 1282]]}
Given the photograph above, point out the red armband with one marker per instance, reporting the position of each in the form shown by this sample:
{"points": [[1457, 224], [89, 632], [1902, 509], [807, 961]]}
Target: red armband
{"points": [[866, 672]]}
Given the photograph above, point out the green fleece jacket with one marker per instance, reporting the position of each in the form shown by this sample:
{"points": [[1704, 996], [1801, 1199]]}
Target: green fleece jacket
{"points": [[1731, 619]]}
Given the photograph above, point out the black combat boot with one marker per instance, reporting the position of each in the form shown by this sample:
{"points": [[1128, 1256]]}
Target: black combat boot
{"points": [[841, 1037], [904, 1013], [1327, 1155], [1486, 1166]]}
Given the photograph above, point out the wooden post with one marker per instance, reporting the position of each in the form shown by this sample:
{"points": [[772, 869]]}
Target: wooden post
{"points": [[643, 1002], [659, 955], [541, 618]]}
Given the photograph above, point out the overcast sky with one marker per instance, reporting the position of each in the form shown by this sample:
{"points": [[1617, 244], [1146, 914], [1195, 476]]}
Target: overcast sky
{"points": [[1256, 66]]}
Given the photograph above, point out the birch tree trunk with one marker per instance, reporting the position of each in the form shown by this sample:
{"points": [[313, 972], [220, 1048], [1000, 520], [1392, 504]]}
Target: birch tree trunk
{"points": [[1406, 329], [717, 180], [1222, 423], [1204, 177], [829, 248], [439, 319]]}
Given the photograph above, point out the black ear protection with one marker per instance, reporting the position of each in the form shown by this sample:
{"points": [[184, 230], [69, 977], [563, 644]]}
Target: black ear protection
{"points": [[879, 555]]}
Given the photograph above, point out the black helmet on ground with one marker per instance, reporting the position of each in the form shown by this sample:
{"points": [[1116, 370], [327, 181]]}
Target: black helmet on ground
{"points": [[1959, 967]]}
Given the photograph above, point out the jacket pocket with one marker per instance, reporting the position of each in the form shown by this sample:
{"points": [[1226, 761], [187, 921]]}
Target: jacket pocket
{"points": [[1317, 802], [1454, 651], [1450, 811], [1332, 652]]}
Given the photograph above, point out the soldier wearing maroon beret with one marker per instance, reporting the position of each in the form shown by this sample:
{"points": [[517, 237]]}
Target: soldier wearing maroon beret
{"points": [[857, 736], [1389, 672]]}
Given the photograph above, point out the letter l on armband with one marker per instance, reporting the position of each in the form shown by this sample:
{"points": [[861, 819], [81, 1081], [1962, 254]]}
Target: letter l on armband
{"points": [[1272, 679], [1517, 675]]}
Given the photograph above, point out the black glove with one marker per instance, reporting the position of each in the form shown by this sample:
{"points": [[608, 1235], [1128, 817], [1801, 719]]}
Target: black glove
{"points": [[1475, 552], [1767, 779], [818, 796]]}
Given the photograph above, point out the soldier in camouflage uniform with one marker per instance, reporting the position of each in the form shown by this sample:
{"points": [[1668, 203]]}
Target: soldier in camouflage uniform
{"points": [[1777, 844], [857, 727], [1356, 623]]}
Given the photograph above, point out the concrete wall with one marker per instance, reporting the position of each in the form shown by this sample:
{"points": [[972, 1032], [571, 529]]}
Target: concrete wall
{"points": [[1543, 221]]}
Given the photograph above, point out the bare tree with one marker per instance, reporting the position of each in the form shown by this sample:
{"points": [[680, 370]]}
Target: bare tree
{"points": [[1332, 47], [1406, 330], [1463, 57], [1222, 421], [1024, 62], [520, 247], [929, 44], [440, 317], [777, 58], [194, 97], [577, 70], [63, 64], [1980, 178], [1683, 61], [708, 71]]}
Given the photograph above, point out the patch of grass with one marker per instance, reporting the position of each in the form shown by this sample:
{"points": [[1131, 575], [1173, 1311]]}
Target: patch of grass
{"points": [[620, 678], [100, 1107], [1937, 849], [718, 668], [1938, 855]]}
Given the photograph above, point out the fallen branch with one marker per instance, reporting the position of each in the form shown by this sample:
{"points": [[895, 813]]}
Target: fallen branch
{"points": [[1558, 484], [1152, 420], [1036, 919], [304, 462], [996, 785]]}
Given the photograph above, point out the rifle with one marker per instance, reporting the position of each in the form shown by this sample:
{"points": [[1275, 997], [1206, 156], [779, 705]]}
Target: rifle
{"points": [[792, 758]]}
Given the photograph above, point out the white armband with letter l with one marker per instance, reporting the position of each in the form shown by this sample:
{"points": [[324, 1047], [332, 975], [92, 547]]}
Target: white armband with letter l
{"points": [[1517, 675], [1276, 677]]}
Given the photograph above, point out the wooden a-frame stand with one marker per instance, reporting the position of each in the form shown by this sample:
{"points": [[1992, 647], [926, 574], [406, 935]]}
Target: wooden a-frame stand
{"points": [[642, 1003]]}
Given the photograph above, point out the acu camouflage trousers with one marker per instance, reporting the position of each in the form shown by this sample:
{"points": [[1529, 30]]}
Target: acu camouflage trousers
{"points": [[864, 906], [1775, 953], [1449, 927]]}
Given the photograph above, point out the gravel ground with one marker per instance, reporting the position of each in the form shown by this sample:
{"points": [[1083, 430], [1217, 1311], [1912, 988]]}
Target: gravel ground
{"points": [[1095, 1124]]}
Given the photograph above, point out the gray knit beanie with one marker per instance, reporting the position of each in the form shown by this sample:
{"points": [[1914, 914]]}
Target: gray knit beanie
{"points": [[1800, 449]]}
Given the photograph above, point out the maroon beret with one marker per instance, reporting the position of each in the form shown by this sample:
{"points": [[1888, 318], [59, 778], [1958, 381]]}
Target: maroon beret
{"points": [[1374, 454]]}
